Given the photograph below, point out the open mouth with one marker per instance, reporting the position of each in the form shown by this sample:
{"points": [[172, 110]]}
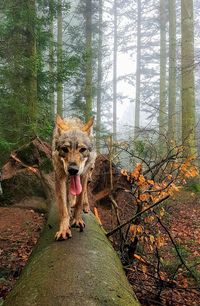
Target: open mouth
{"points": [[75, 186]]}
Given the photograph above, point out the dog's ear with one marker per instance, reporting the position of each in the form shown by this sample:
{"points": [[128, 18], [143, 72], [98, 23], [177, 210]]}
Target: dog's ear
{"points": [[87, 127], [61, 124]]}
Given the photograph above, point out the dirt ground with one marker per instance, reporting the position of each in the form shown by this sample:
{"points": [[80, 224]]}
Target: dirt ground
{"points": [[20, 229]]}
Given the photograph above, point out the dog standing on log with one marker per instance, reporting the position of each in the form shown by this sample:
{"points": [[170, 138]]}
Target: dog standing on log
{"points": [[73, 160]]}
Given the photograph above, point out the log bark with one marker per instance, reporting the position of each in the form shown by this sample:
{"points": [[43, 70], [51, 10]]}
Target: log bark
{"points": [[84, 270]]}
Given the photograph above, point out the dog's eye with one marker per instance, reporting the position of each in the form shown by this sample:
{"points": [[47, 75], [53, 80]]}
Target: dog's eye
{"points": [[82, 150], [65, 149]]}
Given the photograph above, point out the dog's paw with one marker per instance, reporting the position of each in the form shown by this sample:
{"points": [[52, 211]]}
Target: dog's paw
{"points": [[78, 223], [63, 234]]}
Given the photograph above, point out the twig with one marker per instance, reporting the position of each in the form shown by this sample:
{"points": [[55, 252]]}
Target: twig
{"points": [[136, 216], [32, 169], [97, 216], [116, 208], [114, 203], [110, 162]]}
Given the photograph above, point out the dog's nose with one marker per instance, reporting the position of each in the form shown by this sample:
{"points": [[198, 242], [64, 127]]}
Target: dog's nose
{"points": [[73, 170]]}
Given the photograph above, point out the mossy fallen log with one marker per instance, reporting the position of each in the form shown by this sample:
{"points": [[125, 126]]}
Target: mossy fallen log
{"points": [[84, 270]]}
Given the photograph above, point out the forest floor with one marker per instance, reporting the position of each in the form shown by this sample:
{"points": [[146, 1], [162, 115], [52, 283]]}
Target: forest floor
{"points": [[20, 228], [19, 231], [173, 285]]}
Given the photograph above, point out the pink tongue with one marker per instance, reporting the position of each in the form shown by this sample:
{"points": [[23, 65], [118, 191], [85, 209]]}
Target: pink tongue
{"points": [[75, 186]]}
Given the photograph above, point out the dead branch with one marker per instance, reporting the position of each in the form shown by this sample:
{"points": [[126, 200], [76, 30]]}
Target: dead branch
{"points": [[136, 216]]}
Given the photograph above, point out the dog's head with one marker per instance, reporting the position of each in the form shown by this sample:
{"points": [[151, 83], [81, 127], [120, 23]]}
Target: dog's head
{"points": [[74, 148]]}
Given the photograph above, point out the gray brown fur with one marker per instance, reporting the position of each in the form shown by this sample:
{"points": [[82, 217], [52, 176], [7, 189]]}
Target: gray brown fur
{"points": [[71, 145]]}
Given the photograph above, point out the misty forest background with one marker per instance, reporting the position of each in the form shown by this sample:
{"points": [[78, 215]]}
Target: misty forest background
{"points": [[134, 65]]}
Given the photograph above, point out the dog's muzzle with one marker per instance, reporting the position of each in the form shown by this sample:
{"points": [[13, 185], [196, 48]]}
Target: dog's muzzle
{"points": [[73, 170]]}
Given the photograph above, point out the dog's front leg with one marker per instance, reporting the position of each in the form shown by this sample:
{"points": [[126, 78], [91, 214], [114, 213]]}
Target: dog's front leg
{"points": [[78, 221], [61, 193]]}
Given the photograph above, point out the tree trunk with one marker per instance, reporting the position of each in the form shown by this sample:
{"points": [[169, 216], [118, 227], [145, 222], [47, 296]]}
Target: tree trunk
{"points": [[187, 70], [31, 80], [162, 108], [51, 62], [138, 72], [18, 73], [99, 79], [88, 77], [59, 61], [115, 73], [172, 72], [84, 270]]}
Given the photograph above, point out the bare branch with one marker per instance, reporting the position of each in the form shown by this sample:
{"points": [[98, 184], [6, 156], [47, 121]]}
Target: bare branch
{"points": [[136, 216]]}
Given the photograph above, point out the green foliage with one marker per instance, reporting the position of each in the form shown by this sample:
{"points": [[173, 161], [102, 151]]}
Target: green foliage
{"points": [[140, 147], [5, 147], [27, 39], [193, 186]]}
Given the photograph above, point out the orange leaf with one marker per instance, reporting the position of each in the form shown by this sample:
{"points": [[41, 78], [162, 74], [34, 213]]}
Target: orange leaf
{"points": [[151, 182], [144, 197], [138, 257], [151, 238], [160, 242], [133, 229]]}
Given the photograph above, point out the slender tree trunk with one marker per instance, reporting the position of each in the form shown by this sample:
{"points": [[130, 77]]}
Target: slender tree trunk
{"points": [[115, 74], [15, 78], [51, 61], [138, 70], [88, 77], [21, 116], [187, 69], [162, 108], [172, 72], [31, 80], [59, 60], [179, 111], [99, 78]]}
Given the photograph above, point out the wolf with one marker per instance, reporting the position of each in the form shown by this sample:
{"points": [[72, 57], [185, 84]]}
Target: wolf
{"points": [[73, 158]]}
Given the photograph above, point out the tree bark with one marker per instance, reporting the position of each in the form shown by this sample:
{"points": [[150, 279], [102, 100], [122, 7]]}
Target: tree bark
{"points": [[31, 79], [59, 61], [138, 70], [84, 270], [172, 135], [88, 77], [51, 62], [162, 108], [115, 73], [99, 77], [187, 72]]}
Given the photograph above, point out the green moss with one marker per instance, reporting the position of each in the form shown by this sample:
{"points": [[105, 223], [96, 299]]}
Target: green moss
{"points": [[84, 270]]}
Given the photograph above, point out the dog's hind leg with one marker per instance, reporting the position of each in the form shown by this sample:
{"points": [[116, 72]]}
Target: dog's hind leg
{"points": [[71, 204], [61, 198], [86, 206]]}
